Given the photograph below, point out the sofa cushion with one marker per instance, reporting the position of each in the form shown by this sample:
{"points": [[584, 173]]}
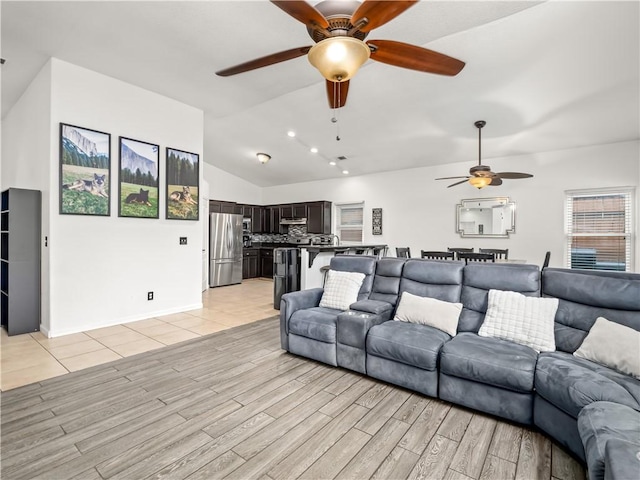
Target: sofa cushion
{"points": [[356, 263], [571, 383], [520, 319], [341, 289], [489, 360], [317, 323], [599, 424], [429, 311], [612, 345], [409, 343]]}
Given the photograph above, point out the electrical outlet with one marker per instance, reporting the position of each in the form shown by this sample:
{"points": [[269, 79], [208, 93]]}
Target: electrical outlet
{"points": [[149, 295], [183, 240]]}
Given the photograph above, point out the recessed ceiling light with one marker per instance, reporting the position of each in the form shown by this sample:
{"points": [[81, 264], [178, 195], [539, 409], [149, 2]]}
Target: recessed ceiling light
{"points": [[291, 133], [346, 172], [332, 163], [314, 150]]}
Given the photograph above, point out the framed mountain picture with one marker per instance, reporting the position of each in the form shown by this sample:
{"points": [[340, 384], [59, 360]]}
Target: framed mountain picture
{"points": [[85, 171], [183, 180], [138, 182]]}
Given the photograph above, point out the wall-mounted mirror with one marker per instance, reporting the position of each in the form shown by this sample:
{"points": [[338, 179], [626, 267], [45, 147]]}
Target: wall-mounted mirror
{"points": [[486, 217]]}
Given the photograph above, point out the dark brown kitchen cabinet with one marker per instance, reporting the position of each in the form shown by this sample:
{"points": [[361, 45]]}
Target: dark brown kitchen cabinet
{"points": [[299, 210], [256, 219], [286, 211], [266, 262], [250, 263], [218, 206], [272, 219], [319, 217], [247, 211]]}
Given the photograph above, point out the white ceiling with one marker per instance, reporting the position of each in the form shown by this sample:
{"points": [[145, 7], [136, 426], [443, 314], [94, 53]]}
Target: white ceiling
{"points": [[545, 76]]}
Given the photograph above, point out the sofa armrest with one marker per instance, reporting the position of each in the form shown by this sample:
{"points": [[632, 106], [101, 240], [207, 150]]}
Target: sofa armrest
{"points": [[371, 306], [291, 303], [353, 326]]}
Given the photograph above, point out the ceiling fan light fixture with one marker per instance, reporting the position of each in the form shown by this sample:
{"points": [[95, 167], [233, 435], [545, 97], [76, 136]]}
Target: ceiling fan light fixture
{"points": [[339, 58], [480, 182], [263, 157]]}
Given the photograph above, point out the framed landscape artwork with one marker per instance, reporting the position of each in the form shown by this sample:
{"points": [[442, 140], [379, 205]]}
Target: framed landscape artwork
{"points": [[183, 177], [139, 174], [85, 179]]}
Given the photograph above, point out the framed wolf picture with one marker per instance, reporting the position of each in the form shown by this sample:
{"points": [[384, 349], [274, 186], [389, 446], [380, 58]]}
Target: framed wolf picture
{"points": [[183, 180], [85, 178], [139, 175]]}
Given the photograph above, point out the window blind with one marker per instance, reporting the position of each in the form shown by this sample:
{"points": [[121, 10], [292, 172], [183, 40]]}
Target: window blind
{"points": [[599, 226], [350, 222]]}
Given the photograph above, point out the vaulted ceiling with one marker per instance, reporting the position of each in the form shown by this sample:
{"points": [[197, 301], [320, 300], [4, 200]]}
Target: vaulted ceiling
{"points": [[544, 75]]}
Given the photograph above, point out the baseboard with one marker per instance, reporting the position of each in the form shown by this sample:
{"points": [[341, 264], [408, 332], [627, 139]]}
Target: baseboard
{"points": [[121, 321]]}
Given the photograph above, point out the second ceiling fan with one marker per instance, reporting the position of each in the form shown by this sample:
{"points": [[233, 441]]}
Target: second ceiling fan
{"points": [[339, 28], [481, 175]]}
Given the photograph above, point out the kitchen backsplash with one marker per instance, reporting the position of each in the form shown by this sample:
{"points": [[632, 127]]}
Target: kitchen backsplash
{"points": [[295, 232]]}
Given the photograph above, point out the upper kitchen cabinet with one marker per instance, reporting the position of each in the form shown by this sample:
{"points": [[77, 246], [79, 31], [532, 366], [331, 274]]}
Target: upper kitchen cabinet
{"points": [[319, 217], [271, 223], [217, 206], [293, 210], [257, 222]]}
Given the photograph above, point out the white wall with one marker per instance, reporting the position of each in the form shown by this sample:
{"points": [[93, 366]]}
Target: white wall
{"points": [[25, 154], [224, 186], [101, 268], [419, 212]]}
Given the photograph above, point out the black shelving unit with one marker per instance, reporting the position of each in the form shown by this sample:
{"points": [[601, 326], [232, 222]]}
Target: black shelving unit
{"points": [[20, 221]]}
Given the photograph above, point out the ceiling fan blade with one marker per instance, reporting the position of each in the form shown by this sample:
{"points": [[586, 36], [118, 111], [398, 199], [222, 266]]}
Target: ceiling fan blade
{"points": [[457, 183], [378, 13], [303, 12], [513, 175], [337, 93], [413, 57], [496, 181], [264, 61], [452, 178]]}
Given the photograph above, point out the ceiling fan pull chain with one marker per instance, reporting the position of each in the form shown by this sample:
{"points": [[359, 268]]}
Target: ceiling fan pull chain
{"points": [[336, 95]]}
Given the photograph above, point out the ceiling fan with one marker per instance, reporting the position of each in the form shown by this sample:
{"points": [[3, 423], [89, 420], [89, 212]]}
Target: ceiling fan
{"points": [[481, 175], [339, 28]]}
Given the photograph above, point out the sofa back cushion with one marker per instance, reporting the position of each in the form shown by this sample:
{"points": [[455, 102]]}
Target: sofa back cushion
{"points": [[360, 264], [479, 278], [386, 282], [433, 278], [585, 295]]}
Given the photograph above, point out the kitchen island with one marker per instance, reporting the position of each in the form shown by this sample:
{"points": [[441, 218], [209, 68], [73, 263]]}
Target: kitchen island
{"points": [[314, 257]]}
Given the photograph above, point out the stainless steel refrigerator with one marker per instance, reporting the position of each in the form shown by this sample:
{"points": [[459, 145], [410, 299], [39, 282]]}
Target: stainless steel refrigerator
{"points": [[225, 249]]}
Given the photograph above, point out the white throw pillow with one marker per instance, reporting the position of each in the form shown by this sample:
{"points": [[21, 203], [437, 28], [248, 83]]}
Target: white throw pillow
{"points": [[525, 320], [429, 311], [341, 289], [612, 345]]}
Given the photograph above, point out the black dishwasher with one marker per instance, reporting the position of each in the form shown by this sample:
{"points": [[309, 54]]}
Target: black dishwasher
{"points": [[286, 273]]}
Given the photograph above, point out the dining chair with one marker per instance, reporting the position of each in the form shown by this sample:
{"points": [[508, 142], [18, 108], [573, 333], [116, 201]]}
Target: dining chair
{"points": [[545, 264], [379, 252], [403, 252], [437, 255], [476, 257], [502, 254], [458, 251]]}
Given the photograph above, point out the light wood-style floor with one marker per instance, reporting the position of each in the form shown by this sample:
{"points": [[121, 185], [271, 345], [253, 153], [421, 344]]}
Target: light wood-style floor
{"points": [[233, 405], [32, 357]]}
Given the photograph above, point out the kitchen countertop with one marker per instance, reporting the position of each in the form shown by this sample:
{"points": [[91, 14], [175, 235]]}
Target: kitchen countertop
{"points": [[333, 248]]}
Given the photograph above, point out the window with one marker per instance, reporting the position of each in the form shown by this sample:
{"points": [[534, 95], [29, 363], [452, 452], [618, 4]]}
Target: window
{"points": [[349, 220], [599, 226]]}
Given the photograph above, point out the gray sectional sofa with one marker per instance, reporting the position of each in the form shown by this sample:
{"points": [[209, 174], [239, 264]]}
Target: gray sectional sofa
{"points": [[592, 410]]}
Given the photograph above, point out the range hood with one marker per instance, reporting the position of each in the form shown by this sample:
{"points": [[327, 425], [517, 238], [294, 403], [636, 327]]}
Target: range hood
{"points": [[293, 221]]}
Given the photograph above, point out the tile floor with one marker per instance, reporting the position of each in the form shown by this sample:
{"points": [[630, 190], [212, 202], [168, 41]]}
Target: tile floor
{"points": [[33, 357]]}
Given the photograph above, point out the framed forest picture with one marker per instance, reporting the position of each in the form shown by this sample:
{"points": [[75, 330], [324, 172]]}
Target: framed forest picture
{"points": [[183, 181], [139, 175], [85, 175]]}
